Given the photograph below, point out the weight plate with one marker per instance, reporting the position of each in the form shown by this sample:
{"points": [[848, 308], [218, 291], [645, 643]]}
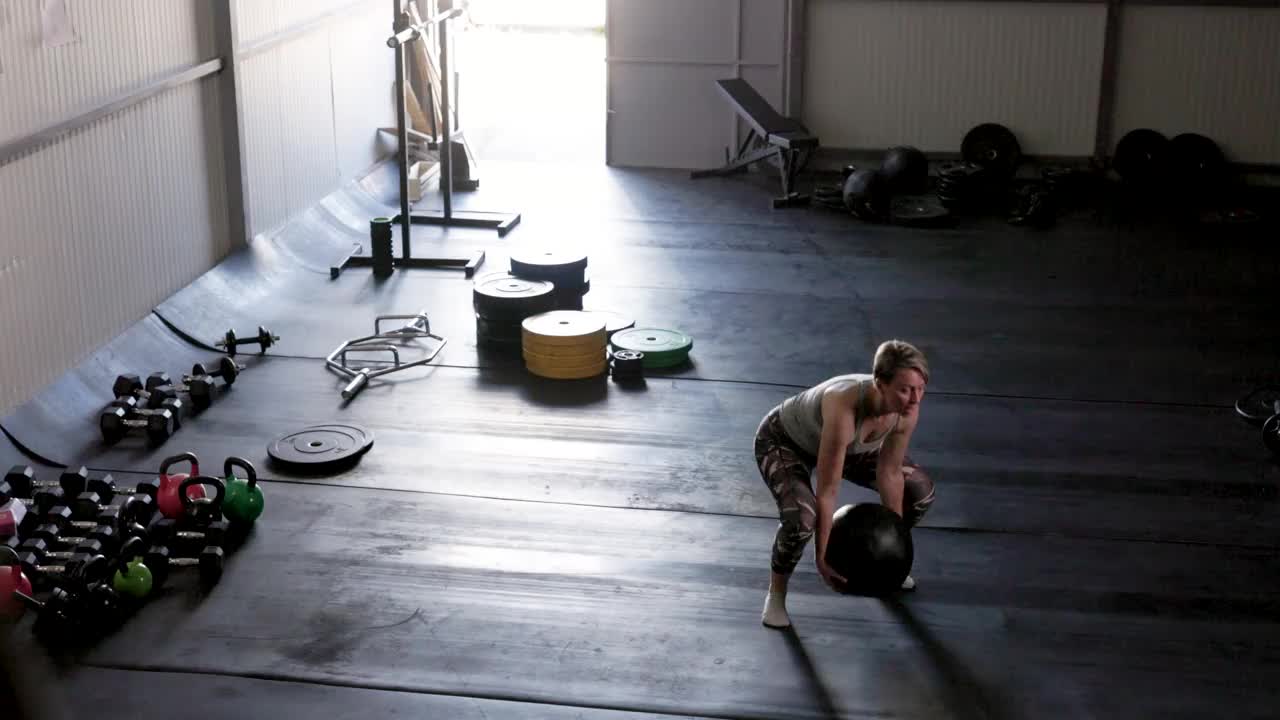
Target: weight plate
{"points": [[321, 447], [1259, 404], [919, 210], [563, 361], [1271, 435], [661, 348], [503, 292], [496, 332], [579, 372], [993, 147], [573, 328], [544, 263], [1195, 160], [1141, 156]]}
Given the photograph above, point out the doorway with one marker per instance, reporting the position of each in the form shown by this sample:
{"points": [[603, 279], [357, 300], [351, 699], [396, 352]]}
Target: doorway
{"points": [[532, 80]]}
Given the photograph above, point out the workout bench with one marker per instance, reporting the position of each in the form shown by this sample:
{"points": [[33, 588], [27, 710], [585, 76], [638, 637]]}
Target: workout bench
{"points": [[771, 135]]}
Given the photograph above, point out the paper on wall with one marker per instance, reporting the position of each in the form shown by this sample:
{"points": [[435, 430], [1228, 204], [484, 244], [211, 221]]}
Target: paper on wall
{"points": [[55, 24]]}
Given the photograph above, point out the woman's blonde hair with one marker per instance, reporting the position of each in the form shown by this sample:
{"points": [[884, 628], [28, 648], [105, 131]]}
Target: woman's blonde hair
{"points": [[895, 355]]}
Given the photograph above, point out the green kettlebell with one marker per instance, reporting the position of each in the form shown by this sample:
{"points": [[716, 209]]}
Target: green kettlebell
{"points": [[132, 577], [244, 501]]}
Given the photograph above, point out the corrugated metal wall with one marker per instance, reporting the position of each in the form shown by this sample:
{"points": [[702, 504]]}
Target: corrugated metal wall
{"points": [[1214, 71], [312, 104], [99, 226], [924, 73]]}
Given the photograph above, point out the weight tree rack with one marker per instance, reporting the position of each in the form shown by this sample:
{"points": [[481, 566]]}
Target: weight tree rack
{"points": [[407, 32]]}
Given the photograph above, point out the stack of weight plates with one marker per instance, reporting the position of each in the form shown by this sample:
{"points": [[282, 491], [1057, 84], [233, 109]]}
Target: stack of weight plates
{"points": [[502, 302], [661, 348], [565, 269], [565, 344]]}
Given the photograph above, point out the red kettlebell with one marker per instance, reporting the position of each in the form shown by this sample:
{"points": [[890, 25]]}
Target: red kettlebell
{"points": [[167, 499], [12, 580]]}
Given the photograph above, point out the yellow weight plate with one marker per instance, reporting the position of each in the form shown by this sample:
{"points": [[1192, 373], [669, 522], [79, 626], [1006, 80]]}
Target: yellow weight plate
{"points": [[570, 373], [589, 346], [563, 327], [564, 360]]}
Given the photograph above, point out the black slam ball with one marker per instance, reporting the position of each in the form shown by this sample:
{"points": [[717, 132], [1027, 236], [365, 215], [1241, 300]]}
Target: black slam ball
{"points": [[870, 546], [866, 195], [905, 170]]}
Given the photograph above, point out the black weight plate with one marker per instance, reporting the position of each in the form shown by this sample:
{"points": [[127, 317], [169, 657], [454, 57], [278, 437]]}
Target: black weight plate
{"points": [[498, 293], [1196, 160], [544, 263], [992, 147], [919, 210], [321, 448], [1271, 435], [1259, 404], [1141, 156]]}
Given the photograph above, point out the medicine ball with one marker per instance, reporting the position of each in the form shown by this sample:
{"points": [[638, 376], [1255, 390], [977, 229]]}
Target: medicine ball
{"points": [[905, 170], [870, 546], [866, 194]]}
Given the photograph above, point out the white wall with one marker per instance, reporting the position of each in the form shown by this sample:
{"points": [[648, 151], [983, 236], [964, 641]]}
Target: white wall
{"points": [[99, 226], [923, 73], [1214, 71], [311, 106]]}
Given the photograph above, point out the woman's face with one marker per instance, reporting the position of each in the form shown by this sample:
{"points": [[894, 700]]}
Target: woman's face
{"points": [[905, 392]]}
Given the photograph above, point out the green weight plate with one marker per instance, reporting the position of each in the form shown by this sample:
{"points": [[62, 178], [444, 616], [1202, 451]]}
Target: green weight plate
{"points": [[661, 348]]}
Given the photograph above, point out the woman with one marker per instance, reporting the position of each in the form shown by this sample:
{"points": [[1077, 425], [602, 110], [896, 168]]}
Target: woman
{"points": [[853, 426]]}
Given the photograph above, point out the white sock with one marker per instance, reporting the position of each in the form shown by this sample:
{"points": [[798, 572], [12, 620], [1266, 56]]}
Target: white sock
{"points": [[909, 583], [775, 610]]}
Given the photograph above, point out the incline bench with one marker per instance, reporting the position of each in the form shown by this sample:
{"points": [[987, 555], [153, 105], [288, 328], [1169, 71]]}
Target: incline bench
{"points": [[771, 134]]}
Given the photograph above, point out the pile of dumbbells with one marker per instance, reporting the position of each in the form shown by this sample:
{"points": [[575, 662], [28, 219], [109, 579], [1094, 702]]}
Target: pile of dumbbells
{"points": [[155, 407], [86, 553]]}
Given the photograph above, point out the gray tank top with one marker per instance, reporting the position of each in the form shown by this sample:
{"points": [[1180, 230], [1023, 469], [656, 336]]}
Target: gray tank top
{"points": [[801, 415]]}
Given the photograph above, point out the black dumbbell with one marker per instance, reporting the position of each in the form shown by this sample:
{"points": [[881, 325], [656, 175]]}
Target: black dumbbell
{"points": [[168, 531], [134, 509], [227, 370], [230, 342], [107, 537], [106, 487], [161, 563], [44, 551], [118, 422], [40, 495], [43, 575], [200, 389], [152, 394], [63, 517]]}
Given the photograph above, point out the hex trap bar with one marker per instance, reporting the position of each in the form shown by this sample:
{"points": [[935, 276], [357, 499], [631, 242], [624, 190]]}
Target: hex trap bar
{"points": [[380, 341]]}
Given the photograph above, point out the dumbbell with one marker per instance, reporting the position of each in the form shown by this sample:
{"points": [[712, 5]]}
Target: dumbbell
{"points": [[170, 532], [160, 561], [154, 392], [118, 422], [105, 535], [63, 517], [227, 370], [78, 608], [41, 552], [105, 486], [200, 389], [32, 559], [20, 483], [231, 342]]}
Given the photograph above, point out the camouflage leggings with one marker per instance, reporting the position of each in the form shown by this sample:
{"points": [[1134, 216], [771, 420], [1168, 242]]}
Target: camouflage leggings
{"points": [[786, 469]]}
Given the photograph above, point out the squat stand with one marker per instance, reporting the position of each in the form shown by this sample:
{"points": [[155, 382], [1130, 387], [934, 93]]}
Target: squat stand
{"points": [[406, 32]]}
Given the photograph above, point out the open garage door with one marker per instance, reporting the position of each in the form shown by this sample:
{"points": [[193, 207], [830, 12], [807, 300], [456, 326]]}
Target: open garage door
{"points": [[664, 57]]}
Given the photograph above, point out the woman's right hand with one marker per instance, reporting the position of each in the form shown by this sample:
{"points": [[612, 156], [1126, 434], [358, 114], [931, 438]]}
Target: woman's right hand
{"points": [[833, 579]]}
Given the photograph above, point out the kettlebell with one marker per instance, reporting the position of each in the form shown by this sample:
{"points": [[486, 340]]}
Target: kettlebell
{"points": [[244, 502], [167, 500], [197, 509], [132, 578], [12, 580]]}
